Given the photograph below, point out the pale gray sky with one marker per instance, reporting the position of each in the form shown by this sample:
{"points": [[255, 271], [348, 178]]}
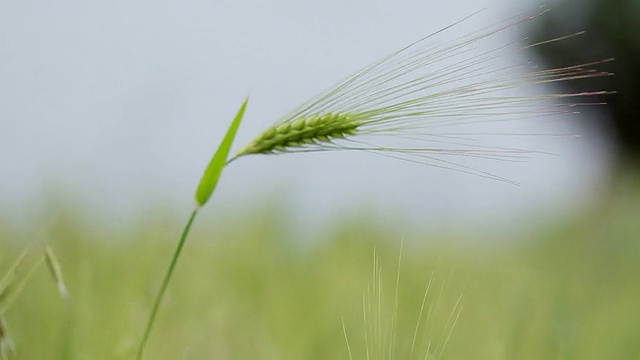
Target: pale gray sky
{"points": [[125, 101]]}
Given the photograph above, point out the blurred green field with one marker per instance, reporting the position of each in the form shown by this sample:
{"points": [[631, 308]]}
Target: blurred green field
{"points": [[250, 291]]}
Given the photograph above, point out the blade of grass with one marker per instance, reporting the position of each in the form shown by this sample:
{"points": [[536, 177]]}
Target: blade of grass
{"points": [[56, 271], [10, 275], [214, 170], [14, 289]]}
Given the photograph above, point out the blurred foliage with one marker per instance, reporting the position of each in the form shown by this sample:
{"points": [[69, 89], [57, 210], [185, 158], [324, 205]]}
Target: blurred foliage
{"points": [[247, 291], [611, 27]]}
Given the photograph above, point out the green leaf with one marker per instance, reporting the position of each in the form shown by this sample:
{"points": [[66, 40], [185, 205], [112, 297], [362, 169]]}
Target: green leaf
{"points": [[56, 271], [214, 170]]}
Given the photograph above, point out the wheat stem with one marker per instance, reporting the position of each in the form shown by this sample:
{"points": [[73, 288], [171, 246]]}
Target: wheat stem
{"points": [[205, 189], [165, 283]]}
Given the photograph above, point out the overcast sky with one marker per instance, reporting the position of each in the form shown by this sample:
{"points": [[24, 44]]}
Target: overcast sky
{"points": [[122, 102]]}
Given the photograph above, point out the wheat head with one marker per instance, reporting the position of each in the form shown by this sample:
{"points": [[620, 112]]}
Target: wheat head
{"points": [[425, 93]]}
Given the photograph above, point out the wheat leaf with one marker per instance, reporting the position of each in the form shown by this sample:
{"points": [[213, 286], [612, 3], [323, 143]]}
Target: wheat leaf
{"points": [[214, 170], [56, 271]]}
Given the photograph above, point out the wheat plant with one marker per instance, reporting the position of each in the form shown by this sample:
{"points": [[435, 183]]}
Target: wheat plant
{"points": [[422, 93], [380, 312], [13, 283]]}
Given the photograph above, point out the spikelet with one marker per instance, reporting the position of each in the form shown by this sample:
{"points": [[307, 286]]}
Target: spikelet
{"points": [[319, 128], [424, 93]]}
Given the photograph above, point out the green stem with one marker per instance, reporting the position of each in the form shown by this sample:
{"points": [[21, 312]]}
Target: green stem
{"points": [[165, 283]]}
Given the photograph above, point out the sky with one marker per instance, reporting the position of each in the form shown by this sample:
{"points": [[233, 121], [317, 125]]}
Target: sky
{"points": [[120, 104]]}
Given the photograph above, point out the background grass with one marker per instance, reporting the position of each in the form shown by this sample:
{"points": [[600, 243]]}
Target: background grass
{"points": [[249, 291]]}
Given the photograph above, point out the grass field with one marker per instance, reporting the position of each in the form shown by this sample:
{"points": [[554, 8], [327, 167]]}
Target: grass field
{"points": [[569, 291]]}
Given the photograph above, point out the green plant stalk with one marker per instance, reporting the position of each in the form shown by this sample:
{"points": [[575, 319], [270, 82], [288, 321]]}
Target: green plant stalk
{"points": [[205, 189], [165, 283], [12, 295]]}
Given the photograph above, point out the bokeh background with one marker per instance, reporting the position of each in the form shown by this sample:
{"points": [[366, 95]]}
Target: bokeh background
{"points": [[109, 112]]}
